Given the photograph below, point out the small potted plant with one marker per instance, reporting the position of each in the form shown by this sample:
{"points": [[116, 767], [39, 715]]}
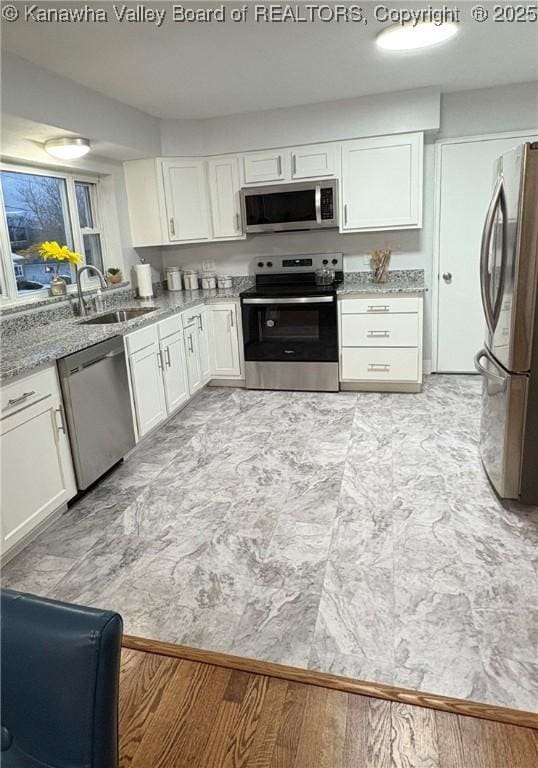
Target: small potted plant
{"points": [[113, 275]]}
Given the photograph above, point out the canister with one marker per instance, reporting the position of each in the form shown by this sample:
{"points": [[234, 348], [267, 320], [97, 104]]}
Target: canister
{"points": [[190, 278], [173, 278], [209, 280], [225, 281]]}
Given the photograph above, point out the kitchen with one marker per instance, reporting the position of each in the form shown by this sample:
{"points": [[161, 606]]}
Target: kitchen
{"points": [[260, 433]]}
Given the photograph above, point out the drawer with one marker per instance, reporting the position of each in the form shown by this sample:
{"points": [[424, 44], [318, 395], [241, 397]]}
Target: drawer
{"points": [[390, 330], [26, 390], [192, 316], [140, 339], [379, 364], [381, 305], [169, 326]]}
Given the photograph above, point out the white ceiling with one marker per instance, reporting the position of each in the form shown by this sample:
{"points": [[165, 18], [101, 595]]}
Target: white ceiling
{"points": [[201, 70]]}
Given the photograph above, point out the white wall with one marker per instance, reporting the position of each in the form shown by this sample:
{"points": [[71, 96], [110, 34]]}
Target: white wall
{"points": [[489, 110], [407, 111]]}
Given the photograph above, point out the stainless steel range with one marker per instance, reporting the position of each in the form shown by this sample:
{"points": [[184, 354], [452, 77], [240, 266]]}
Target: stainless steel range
{"points": [[290, 323]]}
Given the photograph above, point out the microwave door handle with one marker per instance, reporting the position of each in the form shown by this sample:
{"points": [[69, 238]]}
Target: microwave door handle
{"points": [[318, 204], [484, 254]]}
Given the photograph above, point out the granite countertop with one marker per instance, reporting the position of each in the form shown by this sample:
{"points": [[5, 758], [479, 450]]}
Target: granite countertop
{"points": [[46, 343], [398, 281]]}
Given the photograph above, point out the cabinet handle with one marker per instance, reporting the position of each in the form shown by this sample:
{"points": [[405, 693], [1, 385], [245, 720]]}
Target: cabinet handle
{"points": [[60, 411], [378, 367], [168, 361], [378, 334], [191, 346], [172, 226], [232, 324], [237, 223], [345, 214], [294, 164], [280, 165], [200, 324], [21, 399], [378, 308], [160, 361]]}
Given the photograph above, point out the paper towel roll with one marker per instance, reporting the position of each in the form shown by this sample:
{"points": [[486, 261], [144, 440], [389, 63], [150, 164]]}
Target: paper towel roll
{"points": [[143, 280]]}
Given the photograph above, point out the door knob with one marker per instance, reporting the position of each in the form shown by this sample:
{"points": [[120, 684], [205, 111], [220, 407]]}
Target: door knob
{"points": [[447, 277]]}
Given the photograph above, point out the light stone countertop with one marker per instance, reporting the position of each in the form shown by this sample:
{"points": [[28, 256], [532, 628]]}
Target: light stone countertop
{"points": [[46, 343], [398, 281]]}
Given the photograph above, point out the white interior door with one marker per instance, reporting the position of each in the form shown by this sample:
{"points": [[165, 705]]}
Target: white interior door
{"points": [[467, 171]]}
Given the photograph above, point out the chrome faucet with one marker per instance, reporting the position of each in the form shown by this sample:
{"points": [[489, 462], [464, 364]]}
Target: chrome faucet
{"points": [[81, 300]]}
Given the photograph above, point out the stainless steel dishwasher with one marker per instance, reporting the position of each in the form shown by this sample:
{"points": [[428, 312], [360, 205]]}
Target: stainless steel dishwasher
{"points": [[97, 403]]}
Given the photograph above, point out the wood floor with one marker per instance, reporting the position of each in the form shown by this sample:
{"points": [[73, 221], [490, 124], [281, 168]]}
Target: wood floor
{"points": [[176, 712]]}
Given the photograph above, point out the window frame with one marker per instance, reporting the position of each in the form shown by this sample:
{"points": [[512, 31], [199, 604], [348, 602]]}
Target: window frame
{"points": [[10, 295]]}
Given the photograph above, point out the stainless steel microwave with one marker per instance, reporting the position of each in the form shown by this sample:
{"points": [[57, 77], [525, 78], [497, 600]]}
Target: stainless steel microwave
{"points": [[285, 207]]}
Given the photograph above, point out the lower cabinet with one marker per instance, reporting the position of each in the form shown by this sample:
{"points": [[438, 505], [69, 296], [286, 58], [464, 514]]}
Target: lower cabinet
{"points": [[173, 359], [33, 438], [226, 357], [381, 342]]}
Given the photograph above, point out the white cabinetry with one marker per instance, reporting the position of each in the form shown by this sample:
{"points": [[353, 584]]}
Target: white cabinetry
{"points": [[262, 167], [226, 359], [381, 342], [197, 346], [37, 471], [187, 200], [315, 161], [382, 183], [158, 372], [192, 352], [224, 188]]}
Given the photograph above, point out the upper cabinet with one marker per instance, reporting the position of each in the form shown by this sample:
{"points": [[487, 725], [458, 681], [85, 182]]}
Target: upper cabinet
{"points": [[224, 188], [187, 200], [263, 167], [315, 161], [196, 200], [382, 183]]}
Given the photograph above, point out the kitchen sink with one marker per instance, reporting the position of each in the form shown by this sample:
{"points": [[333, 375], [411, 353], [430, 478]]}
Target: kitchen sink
{"points": [[119, 316]]}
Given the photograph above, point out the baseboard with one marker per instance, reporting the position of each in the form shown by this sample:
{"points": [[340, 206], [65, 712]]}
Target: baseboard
{"points": [[380, 386], [336, 682], [227, 383]]}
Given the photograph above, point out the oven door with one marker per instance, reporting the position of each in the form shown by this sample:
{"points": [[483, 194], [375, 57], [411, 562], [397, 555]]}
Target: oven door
{"points": [[290, 329]]}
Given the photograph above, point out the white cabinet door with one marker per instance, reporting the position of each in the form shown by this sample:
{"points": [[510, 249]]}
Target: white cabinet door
{"points": [[147, 385], [224, 188], [176, 387], [192, 352], [187, 199], [37, 472], [225, 357], [259, 167], [204, 341], [314, 161], [382, 183]]}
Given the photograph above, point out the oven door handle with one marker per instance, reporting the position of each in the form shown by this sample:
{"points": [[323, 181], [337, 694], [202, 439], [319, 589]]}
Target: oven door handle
{"points": [[294, 300]]}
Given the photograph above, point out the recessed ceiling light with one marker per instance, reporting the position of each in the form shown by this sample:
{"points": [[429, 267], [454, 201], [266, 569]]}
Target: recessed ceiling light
{"points": [[407, 37], [67, 148]]}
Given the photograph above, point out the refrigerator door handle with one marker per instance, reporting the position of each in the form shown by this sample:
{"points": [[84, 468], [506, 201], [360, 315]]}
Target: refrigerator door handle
{"points": [[480, 368], [484, 253]]}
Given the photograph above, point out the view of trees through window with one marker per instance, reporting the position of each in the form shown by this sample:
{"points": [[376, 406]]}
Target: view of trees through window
{"points": [[37, 209]]}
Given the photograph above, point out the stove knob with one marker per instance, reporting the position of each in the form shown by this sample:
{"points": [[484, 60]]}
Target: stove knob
{"points": [[269, 263], [260, 263], [325, 261], [335, 261]]}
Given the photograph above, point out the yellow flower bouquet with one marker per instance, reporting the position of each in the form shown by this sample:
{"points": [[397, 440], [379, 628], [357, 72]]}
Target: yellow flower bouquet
{"points": [[50, 250]]}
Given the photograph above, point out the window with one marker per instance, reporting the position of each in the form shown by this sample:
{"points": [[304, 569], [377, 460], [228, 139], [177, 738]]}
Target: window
{"points": [[41, 205], [86, 194]]}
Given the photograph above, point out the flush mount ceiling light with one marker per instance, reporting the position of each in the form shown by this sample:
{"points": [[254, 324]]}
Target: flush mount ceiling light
{"points": [[67, 148], [409, 37]]}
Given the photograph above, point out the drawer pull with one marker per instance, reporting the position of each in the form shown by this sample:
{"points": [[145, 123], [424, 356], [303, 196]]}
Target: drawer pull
{"points": [[378, 334], [378, 308], [378, 367], [17, 400], [60, 412]]}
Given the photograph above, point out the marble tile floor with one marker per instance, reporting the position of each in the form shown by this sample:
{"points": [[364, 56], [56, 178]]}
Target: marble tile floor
{"points": [[350, 533]]}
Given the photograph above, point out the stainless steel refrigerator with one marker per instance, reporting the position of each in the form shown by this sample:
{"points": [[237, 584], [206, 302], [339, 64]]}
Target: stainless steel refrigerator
{"points": [[508, 361]]}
